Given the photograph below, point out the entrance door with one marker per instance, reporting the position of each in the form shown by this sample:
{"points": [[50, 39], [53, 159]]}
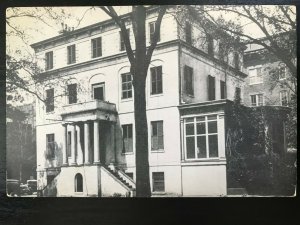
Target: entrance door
{"points": [[98, 91]]}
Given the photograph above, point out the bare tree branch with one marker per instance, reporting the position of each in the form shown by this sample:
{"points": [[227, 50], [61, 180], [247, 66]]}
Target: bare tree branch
{"points": [[156, 33]]}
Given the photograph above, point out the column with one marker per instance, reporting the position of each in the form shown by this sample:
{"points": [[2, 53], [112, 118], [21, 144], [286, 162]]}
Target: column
{"points": [[65, 145], [73, 145], [86, 143], [96, 143], [79, 159]]}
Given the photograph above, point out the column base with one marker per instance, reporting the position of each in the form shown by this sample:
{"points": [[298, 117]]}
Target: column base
{"points": [[65, 165], [87, 163], [73, 164], [97, 163]]}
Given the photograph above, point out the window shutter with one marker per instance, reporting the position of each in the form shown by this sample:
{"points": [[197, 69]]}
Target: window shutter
{"points": [[211, 88]]}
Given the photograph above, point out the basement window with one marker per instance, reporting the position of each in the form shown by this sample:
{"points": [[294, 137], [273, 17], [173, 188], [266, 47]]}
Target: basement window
{"points": [[78, 183]]}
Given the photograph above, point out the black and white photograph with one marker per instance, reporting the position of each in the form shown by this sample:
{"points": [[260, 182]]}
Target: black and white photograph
{"points": [[151, 101]]}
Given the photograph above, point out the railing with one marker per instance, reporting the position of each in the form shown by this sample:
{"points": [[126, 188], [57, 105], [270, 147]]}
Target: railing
{"points": [[89, 106]]}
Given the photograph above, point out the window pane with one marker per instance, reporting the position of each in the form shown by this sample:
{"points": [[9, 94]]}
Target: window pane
{"points": [[213, 145], [154, 128], [188, 120], [201, 118], [189, 129], [160, 142], [201, 147], [212, 127], [213, 117], [98, 93], [200, 128], [158, 180], [190, 147], [130, 131]]}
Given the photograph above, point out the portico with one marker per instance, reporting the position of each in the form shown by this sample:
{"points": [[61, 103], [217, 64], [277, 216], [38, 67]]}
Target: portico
{"points": [[86, 126]]}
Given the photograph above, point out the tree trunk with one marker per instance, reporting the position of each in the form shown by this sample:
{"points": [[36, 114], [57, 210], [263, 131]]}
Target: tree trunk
{"points": [[139, 73], [141, 146]]}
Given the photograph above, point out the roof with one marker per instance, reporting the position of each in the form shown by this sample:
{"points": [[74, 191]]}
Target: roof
{"points": [[86, 28]]}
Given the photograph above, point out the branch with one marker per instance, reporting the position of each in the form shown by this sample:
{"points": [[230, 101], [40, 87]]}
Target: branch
{"points": [[112, 13], [292, 23], [26, 89], [156, 33]]}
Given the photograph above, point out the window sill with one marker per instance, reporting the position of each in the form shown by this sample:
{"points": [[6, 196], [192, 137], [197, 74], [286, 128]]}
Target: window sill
{"points": [[50, 113], [211, 161], [126, 99], [191, 96], [127, 153], [96, 57], [256, 83], [158, 151], [159, 193], [78, 193], [156, 95]]}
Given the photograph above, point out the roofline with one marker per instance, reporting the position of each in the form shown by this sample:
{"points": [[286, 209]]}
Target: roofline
{"points": [[105, 22]]}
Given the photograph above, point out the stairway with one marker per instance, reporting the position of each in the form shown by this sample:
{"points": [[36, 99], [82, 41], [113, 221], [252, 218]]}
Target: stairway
{"points": [[118, 176]]}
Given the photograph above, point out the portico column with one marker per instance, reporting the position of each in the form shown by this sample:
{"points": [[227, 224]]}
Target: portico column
{"points": [[96, 143], [73, 145], [65, 158], [86, 143], [79, 159]]}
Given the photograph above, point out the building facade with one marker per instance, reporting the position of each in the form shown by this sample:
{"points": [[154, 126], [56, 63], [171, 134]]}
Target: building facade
{"points": [[85, 128], [269, 81]]}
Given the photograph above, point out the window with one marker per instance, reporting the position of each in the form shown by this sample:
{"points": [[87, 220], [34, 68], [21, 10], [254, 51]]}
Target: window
{"points": [[122, 44], [157, 135], [98, 91], [188, 33], [96, 47], [126, 85], [210, 45], [284, 98], [255, 75], [223, 89], [69, 142], [50, 100], [49, 60], [127, 138], [71, 54], [152, 31], [50, 146], [201, 137], [211, 88], [156, 80], [158, 181], [130, 175], [282, 72], [257, 100], [237, 93], [78, 183], [72, 93], [189, 80]]}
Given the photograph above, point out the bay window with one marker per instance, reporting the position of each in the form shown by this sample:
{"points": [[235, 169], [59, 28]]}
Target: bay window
{"points": [[201, 137]]}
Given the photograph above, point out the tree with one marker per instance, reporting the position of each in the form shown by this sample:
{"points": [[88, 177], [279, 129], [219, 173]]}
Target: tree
{"points": [[139, 63], [277, 24], [21, 68]]}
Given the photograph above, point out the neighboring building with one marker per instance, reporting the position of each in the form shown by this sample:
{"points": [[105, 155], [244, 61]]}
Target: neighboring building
{"points": [[261, 87], [269, 83], [85, 131]]}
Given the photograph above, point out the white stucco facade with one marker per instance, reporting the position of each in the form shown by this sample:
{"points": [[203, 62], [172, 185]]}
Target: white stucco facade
{"points": [[180, 175]]}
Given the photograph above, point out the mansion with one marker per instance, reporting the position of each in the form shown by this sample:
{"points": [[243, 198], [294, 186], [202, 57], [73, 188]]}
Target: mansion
{"points": [[85, 128]]}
